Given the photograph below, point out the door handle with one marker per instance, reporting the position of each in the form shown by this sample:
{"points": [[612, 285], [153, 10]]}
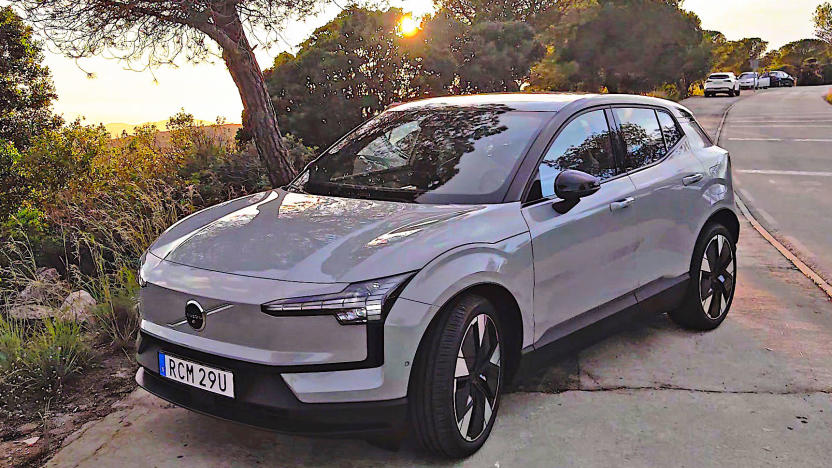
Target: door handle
{"points": [[621, 204], [692, 179]]}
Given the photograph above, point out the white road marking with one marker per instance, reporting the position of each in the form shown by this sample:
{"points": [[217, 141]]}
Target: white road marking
{"points": [[790, 173], [755, 139]]}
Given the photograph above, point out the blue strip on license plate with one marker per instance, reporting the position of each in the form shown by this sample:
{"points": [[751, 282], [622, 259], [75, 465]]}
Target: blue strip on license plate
{"points": [[162, 365]]}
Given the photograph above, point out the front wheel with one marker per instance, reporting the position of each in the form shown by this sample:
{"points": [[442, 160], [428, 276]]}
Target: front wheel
{"points": [[458, 379], [713, 274]]}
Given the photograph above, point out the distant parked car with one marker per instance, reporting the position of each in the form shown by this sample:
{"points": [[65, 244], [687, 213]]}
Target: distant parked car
{"points": [[776, 79], [725, 82], [749, 80]]}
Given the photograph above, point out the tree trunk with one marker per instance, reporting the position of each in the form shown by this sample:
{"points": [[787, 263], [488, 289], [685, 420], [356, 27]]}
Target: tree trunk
{"points": [[258, 114]]}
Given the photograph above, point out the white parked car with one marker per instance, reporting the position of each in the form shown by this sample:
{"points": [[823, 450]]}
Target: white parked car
{"points": [[723, 82], [749, 80]]}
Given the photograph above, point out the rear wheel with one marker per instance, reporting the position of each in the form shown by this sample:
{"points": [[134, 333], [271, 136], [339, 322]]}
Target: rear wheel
{"points": [[713, 274], [458, 379]]}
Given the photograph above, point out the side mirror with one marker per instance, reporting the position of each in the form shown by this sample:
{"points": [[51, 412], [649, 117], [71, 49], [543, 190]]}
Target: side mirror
{"points": [[573, 185]]}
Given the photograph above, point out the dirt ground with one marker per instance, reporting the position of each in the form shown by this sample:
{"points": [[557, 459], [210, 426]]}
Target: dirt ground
{"points": [[33, 432]]}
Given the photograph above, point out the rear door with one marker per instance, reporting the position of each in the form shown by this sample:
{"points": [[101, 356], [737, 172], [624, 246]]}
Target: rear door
{"points": [[584, 254], [668, 198]]}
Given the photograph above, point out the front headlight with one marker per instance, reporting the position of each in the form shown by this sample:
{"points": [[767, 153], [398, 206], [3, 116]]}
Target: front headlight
{"points": [[358, 303], [139, 277]]}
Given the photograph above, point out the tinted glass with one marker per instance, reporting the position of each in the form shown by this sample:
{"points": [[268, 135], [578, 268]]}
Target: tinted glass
{"points": [[719, 77], [584, 144], [671, 132], [427, 155], [641, 133], [747, 75]]}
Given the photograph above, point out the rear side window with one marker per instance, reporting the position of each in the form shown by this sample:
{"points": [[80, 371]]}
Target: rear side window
{"points": [[671, 132], [696, 136], [644, 140], [584, 144]]}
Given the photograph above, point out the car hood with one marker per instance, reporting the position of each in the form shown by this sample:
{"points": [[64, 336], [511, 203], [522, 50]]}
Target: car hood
{"points": [[298, 237]]}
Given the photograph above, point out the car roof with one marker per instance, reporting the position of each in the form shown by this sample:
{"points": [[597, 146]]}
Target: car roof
{"points": [[540, 102], [551, 102]]}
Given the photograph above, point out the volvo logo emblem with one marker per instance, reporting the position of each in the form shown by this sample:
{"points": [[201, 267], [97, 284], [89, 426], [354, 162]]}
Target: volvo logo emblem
{"points": [[195, 315]]}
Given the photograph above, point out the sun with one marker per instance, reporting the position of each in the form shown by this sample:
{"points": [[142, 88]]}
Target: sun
{"points": [[408, 26]]}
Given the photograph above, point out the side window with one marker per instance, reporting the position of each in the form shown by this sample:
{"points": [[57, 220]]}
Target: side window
{"points": [[640, 129], [585, 145], [671, 132], [696, 136]]}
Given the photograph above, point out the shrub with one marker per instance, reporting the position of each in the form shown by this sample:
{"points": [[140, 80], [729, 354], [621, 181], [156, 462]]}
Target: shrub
{"points": [[117, 318], [11, 181], [39, 363], [11, 343], [828, 97], [55, 353]]}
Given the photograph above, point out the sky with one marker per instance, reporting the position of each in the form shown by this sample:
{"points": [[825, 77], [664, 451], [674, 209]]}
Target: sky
{"points": [[206, 90]]}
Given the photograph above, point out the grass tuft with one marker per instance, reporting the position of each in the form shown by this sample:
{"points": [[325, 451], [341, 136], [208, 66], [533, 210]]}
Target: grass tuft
{"points": [[38, 360]]}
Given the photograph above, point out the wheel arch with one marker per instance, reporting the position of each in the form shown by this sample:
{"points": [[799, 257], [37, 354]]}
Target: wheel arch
{"points": [[510, 316], [727, 218]]}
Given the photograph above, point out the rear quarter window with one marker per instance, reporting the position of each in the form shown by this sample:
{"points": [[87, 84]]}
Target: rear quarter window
{"points": [[697, 137], [672, 133], [639, 127]]}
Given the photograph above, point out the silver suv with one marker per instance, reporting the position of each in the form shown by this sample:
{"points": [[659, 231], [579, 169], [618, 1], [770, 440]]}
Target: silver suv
{"points": [[407, 271]]}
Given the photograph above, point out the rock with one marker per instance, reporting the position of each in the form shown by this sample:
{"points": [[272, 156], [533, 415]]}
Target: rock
{"points": [[31, 441], [46, 287], [27, 428], [78, 306], [31, 312]]}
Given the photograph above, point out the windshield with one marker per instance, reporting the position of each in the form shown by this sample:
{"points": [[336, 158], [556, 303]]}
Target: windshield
{"points": [[747, 75], [444, 155], [719, 77]]}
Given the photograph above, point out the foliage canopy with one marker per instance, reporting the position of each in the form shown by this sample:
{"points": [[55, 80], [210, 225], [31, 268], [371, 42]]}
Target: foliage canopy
{"points": [[356, 65], [624, 46], [26, 90]]}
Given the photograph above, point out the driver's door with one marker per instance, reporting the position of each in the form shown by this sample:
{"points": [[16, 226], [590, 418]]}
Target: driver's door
{"points": [[584, 256]]}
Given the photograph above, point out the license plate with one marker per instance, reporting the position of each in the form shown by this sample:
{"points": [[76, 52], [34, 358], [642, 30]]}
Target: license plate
{"points": [[196, 375]]}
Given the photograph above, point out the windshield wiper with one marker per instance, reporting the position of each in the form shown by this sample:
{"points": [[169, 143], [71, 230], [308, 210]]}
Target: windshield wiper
{"points": [[294, 188]]}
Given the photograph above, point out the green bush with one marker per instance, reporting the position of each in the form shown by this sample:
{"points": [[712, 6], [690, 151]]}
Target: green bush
{"points": [[11, 343], [39, 363], [117, 317], [54, 354]]}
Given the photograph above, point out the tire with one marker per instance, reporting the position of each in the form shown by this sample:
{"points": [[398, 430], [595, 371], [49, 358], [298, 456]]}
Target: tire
{"points": [[739, 92], [442, 386], [707, 95], [699, 310]]}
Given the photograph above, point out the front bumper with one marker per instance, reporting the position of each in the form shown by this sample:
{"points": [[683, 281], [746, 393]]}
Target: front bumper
{"points": [[263, 399]]}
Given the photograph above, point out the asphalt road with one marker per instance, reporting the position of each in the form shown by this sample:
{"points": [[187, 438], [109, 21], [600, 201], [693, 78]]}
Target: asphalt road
{"points": [[755, 392], [781, 146]]}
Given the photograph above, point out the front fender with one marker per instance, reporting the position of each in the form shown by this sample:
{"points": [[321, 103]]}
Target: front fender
{"points": [[507, 263]]}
